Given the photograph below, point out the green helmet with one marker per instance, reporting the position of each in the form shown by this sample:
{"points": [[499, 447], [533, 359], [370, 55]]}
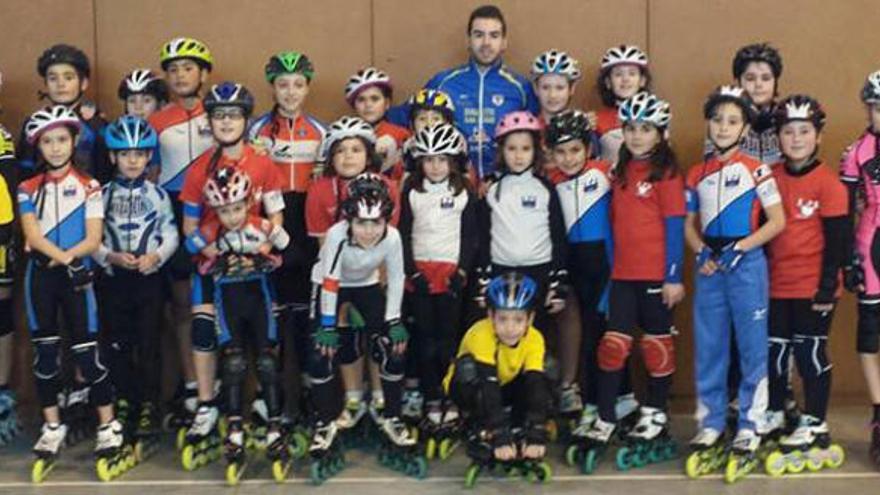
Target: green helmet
{"points": [[289, 63]]}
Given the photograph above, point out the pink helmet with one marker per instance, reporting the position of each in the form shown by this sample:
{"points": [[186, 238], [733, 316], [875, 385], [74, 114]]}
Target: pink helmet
{"points": [[517, 121]]}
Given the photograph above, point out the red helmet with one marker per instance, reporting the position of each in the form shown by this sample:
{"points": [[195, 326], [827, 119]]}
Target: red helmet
{"points": [[228, 185]]}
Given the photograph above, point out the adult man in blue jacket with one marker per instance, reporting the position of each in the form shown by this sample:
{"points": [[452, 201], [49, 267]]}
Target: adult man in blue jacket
{"points": [[484, 89]]}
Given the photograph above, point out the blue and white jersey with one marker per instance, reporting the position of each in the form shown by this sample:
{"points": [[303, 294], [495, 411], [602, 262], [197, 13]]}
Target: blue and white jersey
{"points": [[586, 203], [62, 205]]}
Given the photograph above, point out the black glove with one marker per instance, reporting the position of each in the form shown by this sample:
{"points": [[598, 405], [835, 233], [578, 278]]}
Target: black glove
{"points": [[501, 437], [557, 285], [484, 276], [823, 296], [456, 284], [536, 435], [420, 284], [854, 274], [80, 276]]}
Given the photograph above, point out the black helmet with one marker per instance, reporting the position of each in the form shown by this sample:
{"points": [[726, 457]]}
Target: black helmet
{"points": [[143, 81], [757, 52], [64, 54], [568, 126], [730, 94], [799, 107]]}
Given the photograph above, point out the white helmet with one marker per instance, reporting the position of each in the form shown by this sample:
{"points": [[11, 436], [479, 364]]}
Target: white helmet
{"points": [[344, 128], [227, 186], [624, 54], [645, 107], [871, 89], [440, 139], [50, 118], [366, 78], [556, 62]]}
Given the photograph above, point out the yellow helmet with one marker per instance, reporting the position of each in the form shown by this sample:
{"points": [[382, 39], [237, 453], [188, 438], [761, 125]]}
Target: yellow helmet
{"points": [[190, 48], [7, 145]]}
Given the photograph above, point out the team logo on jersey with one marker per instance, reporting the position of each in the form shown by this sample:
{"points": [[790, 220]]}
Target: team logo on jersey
{"points": [[806, 207], [762, 172], [644, 188], [251, 237], [497, 100], [530, 201], [759, 314], [732, 181], [447, 202], [591, 185], [69, 190]]}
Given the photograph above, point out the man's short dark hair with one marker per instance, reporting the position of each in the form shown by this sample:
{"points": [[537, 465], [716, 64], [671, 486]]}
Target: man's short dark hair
{"points": [[487, 12]]}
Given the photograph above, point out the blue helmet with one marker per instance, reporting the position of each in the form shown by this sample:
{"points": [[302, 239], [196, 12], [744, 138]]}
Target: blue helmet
{"points": [[130, 133], [511, 290]]}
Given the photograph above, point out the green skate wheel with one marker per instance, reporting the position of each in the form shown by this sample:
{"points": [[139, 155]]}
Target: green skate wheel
{"points": [[774, 464], [418, 468], [731, 472], [625, 458], [470, 476], [692, 466], [104, 471], [670, 450], [298, 446], [40, 470], [571, 455], [656, 454], [232, 474], [836, 456], [316, 473], [279, 471], [188, 458], [430, 449], [796, 462], [447, 447], [544, 472], [180, 439], [639, 458], [591, 461]]}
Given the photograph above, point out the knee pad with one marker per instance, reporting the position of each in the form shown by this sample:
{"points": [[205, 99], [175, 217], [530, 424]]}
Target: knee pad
{"points": [[391, 365], [47, 357], [349, 345], [552, 371], [779, 352], [6, 323], [658, 351], [867, 341], [204, 332], [234, 367], [810, 354], [614, 349], [267, 368], [466, 372], [88, 360]]}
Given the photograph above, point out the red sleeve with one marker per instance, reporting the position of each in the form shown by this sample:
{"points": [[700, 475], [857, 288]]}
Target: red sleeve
{"points": [[318, 219], [395, 196], [834, 199], [672, 199], [193, 183]]}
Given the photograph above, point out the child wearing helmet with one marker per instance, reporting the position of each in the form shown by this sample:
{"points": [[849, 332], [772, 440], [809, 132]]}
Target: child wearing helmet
{"points": [[239, 248], [143, 93], [348, 149], [229, 105], [292, 139], [725, 195], [584, 190], [8, 419], [184, 134], [139, 238], [647, 219], [500, 363], [438, 225], [61, 217], [346, 274], [623, 72], [522, 223], [757, 68], [428, 107], [66, 72], [369, 94], [860, 172], [805, 262], [555, 74]]}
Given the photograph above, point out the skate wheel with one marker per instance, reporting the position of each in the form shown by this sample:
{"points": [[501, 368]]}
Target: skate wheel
{"points": [[670, 451], [103, 470], [625, 458], [418, 468], [656, 454], [731, 472], [279, 471], [447, 447], [138, 452], [774, 464], [430, 449], [639, 458], [591, 461], [571, 455], [797, 462], [552, 431], [40, 470], [692, 466], [835, 456], [222, 427], [188, 458], [542, 472], [180, 440], [232, 474], [298, 446], [316, 474], [470, 476]]}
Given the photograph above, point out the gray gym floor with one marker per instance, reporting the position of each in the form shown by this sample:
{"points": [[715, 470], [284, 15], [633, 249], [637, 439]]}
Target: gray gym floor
{"points": [[161, 474]]}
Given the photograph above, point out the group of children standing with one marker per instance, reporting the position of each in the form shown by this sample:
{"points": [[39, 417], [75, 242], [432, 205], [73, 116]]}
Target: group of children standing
{"points": [[369, 241]]}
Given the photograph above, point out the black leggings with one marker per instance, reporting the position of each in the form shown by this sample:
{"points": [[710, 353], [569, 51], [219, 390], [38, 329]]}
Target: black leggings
{"points": [[434, 328]]}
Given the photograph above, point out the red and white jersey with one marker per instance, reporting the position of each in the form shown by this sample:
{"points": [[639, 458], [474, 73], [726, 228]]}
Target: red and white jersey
{"points": [[292, 144], [183, 136], [62, 205]]}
